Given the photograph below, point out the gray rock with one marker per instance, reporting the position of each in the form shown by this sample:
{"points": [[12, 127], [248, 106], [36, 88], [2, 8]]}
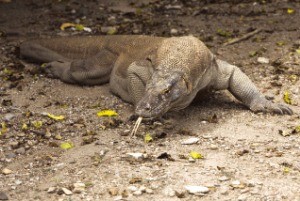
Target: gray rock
{"points": [[9, 116], [21, 150]]}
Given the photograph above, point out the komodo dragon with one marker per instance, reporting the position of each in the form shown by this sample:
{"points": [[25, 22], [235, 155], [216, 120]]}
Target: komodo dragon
{"points": [[156, 74]]}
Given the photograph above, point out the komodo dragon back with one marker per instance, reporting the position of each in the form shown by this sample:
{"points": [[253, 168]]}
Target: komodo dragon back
{"points": [[156, 74]]}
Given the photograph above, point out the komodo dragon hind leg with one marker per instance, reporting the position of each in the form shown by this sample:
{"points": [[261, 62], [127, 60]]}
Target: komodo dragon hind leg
{"points": [[232, 78]]}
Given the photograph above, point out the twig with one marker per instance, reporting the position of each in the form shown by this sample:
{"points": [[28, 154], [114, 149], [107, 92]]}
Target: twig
{"points": [[136, 126], [244, 37]]}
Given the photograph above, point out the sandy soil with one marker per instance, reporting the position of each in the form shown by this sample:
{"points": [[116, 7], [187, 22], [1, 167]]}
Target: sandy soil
{"points": [[246, 156]]}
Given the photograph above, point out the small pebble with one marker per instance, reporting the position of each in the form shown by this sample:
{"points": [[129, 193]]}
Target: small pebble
{"points": [[196, 189], [9, 116], [263, 60], [223, 178], [224, 190], [51, 190], [132, 188], [213, 147], [79, 187], [174, 31], [136, 155], [243, 197], [6, 171], [138, 192], [20, 150], [66, 191], [149, 191], [190, 141]]}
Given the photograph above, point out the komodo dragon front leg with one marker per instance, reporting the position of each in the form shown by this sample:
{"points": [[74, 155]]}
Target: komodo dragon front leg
{"points": [[232, 78]]}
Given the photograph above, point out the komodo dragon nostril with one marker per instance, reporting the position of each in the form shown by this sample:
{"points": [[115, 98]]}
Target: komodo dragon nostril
{"points": [[148, 107]]}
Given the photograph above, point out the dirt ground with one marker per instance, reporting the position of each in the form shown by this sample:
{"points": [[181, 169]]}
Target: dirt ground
{"points": [[247, 156]]}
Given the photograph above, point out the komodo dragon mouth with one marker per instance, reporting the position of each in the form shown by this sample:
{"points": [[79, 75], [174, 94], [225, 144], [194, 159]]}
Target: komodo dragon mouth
{"points": [[162, 93]]}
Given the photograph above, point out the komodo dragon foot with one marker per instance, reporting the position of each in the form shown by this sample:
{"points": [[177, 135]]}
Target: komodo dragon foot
{"points": [[263, 105]]}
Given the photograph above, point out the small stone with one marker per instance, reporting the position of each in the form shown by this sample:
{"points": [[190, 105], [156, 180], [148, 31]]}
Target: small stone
{"points": [[243, 197], [180, 193], [213, 147], [143, 189], [149, 191], [223, 178], [79, 187], [224, 190], [169, 192], [51, 190], [136, 155], [113, 191], [263, 60], [125, 132], [10, 155], [196, 189], [18, 182], [174, 31], [6, 171], [235, 183], [66, 191], [138, 192], [190, 141], [132, 188], [20, 150], [14, 144], [8, 117], [3, 196]]}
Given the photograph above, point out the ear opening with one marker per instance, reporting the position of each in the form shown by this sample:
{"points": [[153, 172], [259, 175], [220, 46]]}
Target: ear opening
{"points": [[189, 85]]}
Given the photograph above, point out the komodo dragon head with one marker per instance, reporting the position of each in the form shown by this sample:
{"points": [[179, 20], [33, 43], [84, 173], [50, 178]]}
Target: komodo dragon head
{"points": [[163, 93], [179, 71]]}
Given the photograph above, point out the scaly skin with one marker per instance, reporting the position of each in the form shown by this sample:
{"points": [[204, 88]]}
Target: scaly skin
{"points": [[156, 74]]}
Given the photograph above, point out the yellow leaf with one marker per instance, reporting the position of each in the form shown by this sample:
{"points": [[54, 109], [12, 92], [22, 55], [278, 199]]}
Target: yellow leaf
{"points": [[57, 118], [290, 11], [297, 129], [7, 71], [298, 51], [79, 27], [66, 145], [66, 25], [3, 128], [196, 155], [24, 126], [107, 113], [37, 124], [286, 170], [148, 138], [287, 97], [280, 43]]}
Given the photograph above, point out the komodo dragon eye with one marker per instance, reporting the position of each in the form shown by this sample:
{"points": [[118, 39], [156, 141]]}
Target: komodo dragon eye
{"points": [[166, 91]]}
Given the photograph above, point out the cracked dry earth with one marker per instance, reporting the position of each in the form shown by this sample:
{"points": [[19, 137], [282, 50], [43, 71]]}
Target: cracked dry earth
{"points": [[246, 156]]}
